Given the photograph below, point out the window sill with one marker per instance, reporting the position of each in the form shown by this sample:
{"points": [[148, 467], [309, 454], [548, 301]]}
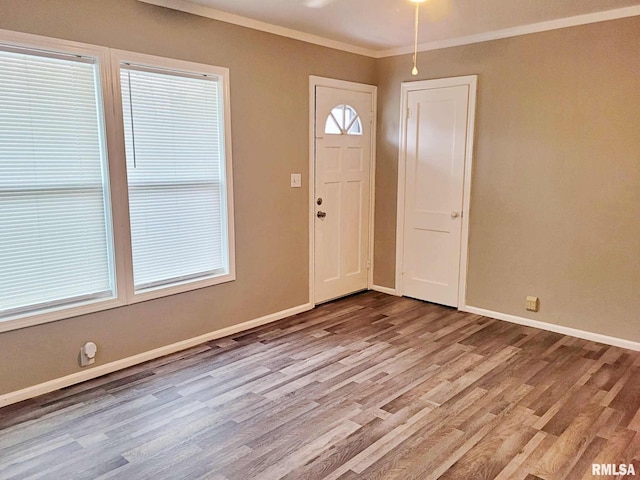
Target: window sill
{"points": [[30, 319], [180, 287]]}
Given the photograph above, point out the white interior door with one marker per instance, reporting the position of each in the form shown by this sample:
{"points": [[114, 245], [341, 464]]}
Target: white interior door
{"points": [[436, 143], [343, 139]]}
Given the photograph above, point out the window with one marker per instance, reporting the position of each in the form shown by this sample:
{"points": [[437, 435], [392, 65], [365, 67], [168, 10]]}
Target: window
{"points": [[174, 134], [343, 120], [55, 246], [65, 242]]}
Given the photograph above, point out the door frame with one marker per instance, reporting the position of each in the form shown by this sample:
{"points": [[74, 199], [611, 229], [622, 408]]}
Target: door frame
{"points": [[315, 81], [406, 87]]}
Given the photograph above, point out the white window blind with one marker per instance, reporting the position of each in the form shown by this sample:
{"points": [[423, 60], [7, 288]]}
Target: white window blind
{"points": [[55, 239], [174, 137]]}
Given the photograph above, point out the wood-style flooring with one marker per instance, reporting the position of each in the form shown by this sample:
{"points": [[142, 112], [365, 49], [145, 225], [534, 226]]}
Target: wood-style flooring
{"points": [[368, 387]]}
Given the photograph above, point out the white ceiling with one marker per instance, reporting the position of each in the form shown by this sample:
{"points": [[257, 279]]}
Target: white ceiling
{"points": [[386, 26]]}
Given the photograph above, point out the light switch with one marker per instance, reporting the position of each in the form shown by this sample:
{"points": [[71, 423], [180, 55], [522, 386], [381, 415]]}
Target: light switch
{"points": [[296, 180]]}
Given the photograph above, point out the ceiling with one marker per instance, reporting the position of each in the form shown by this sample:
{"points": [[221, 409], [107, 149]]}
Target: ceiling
{"points": [[386, 26]]}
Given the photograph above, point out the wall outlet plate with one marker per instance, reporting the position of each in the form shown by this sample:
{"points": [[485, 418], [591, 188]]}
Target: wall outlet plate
{"points": [[532, 304]]}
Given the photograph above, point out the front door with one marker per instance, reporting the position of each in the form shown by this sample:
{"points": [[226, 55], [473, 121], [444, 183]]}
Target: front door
{"points": [[436, 142], [343, 138]]}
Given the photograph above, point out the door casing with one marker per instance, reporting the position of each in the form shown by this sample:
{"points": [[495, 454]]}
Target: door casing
{"points": [[315, 81], [406, 87]]}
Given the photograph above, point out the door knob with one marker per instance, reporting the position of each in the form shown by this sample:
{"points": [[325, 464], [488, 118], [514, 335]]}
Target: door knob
{"points": [[455, 214], [321, 214]]}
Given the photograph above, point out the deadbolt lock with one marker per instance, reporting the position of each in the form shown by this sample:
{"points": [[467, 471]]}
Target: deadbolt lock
{"points": [[319, 201]]}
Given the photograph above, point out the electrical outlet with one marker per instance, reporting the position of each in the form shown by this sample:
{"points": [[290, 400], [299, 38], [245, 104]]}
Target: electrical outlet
{"points": [[88, 354], [532, 304]]}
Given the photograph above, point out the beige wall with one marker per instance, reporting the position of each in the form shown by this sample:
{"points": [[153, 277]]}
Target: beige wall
{"points": [[269, 111], [555, 203]]}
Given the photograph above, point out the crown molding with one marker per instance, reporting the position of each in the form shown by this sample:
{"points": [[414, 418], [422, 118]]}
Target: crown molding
{"points": [[200, 10], [517, 31]]}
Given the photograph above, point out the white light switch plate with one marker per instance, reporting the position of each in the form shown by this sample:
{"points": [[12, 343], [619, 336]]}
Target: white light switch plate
{"points": [[296, 180]]}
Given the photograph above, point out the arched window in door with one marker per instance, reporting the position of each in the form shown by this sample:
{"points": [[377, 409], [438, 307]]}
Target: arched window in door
{"points": [[343, 120]]}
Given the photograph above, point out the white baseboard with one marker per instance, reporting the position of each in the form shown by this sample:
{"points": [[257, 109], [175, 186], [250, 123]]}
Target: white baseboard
{"points": [[387, 290], [74, 378], [551, 327]]}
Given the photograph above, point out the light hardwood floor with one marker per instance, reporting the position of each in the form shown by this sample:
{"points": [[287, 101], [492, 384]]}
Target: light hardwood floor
{"points": [[368, 387]]}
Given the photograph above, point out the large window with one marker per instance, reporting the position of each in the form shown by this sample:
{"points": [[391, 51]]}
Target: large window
{"points": [[80, 232], [174, 137], [55, 239]]}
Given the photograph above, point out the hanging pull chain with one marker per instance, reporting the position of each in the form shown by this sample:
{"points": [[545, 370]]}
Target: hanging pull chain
{"points": [[415, 42]]}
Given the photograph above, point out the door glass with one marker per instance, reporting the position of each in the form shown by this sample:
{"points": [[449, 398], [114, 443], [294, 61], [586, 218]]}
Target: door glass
{"points": [[343, 120]]}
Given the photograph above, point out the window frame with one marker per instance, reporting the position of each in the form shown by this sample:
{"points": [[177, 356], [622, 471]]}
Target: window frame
{"points": [[100, 55], [119, 57], [107, 63]]}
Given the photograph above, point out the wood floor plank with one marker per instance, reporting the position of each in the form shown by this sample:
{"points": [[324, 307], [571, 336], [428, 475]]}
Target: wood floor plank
{"points": [[567, 449], [493, 453], [367, 387]]}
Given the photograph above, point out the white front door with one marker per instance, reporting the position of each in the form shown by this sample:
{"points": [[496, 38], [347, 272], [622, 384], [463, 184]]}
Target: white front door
{"points": [[435, 152], [343, 123]]}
